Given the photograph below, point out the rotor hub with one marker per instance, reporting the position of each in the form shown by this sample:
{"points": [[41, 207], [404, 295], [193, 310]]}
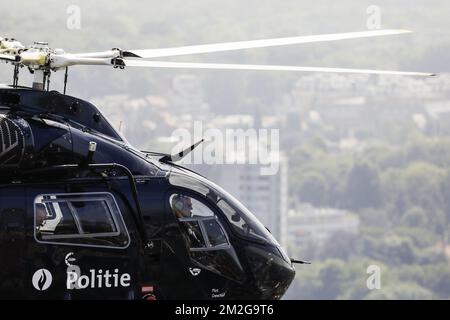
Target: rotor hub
{"points": [[42, 59]]}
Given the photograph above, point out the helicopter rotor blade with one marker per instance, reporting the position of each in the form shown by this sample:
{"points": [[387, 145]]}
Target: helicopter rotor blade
{"points": [[102, 54], [221, 66], [229, 46]]}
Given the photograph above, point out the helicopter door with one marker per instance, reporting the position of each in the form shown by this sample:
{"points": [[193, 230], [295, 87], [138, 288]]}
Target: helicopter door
{"points": [[82, 247], [209, 262], [12, 243]]}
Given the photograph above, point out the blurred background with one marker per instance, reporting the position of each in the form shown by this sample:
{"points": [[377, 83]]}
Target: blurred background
{"points": [[364, 172]]}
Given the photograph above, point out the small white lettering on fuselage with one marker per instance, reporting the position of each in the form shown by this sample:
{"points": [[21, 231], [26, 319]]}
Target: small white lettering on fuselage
{"points": [[97, 279]]}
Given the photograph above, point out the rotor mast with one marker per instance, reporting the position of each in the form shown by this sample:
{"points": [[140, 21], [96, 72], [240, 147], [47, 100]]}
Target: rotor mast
{"points": [[39, 79]]}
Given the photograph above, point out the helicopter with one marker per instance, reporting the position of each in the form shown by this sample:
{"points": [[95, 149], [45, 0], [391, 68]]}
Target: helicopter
{"points": [[85, 215]]}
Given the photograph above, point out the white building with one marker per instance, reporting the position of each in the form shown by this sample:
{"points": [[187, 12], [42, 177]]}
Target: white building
{"points": [[310, 224]]}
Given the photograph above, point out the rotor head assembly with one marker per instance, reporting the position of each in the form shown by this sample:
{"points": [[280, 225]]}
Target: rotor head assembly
{"points": [[41, 59]]}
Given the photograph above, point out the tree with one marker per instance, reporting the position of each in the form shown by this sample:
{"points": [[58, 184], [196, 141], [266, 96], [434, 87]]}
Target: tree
{"points": [[363, 187], [445, 191], [313, 189], [333, 276], [415, 217], [401, 291], [341, 245]]}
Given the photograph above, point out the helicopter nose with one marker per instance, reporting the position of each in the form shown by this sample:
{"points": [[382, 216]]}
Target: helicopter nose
{"points": [[272, 274]]}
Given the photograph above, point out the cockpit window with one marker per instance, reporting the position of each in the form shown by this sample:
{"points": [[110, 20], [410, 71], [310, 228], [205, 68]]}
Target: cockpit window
{"points": [[187, 207], [84, 219], [243, 222], [200, 226], [216, 235], [194, 232]]}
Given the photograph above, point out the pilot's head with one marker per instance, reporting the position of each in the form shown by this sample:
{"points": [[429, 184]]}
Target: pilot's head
{"points": [[182, 206], [41, 214]]}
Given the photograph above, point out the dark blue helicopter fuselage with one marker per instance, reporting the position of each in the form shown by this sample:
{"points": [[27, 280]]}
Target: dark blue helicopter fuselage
{"points": [[100, 225]]}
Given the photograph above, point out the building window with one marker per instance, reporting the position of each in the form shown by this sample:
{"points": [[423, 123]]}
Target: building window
{"points": [[200, 226], [80, 219]]}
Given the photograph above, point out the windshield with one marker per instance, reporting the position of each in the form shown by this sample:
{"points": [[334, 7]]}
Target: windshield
{"points": [[243, 222]]}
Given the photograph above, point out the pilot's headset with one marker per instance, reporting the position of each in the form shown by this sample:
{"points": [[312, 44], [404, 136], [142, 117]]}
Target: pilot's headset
{"points": [[179, 202]]}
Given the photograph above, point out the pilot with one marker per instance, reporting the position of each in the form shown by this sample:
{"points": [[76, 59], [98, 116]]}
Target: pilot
{"points": [[41, 215], [182, 206]]}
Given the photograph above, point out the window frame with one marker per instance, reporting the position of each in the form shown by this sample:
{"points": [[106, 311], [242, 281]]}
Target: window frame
{"points": [[114, 212], [208, 247], [200, 220]]}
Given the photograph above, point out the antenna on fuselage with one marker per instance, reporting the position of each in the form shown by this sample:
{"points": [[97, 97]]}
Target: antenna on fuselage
{"points": [[182, 154], [66, 75]]}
